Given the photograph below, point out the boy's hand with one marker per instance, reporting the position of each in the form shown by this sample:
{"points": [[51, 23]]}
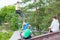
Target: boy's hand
{"points": [[49, 28]]}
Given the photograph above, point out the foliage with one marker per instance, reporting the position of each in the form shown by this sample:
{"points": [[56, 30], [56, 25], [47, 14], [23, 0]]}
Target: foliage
{"points": [[8, 15], [42, 17], [5, 36]]}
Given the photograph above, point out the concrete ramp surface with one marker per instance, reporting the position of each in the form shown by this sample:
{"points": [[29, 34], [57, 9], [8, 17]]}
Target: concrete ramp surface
{"points": [[48, 36], [15, 36]]}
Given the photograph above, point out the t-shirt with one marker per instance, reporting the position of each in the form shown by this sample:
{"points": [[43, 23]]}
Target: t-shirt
{"points": [[26, 33], [25, 26], [17, 7], [54, 25]]}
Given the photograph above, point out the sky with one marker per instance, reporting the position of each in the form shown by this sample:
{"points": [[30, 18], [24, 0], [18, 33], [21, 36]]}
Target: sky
{"points": [[7, 2], [10, 2]]}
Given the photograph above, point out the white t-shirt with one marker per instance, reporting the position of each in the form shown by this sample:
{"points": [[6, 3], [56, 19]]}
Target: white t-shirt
{"points": [[17, 7], [54, 25]]}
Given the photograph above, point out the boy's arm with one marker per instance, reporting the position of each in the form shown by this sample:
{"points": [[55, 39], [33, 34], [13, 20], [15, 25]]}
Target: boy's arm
{"points": [[51, 26]]}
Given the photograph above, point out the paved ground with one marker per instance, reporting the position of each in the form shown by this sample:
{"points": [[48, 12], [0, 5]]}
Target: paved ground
{"points": [[15, 36], [48, 36]]}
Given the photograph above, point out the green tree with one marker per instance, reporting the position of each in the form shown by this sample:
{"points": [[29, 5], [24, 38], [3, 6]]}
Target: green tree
{"points": [[8, 15], [45, 10]]}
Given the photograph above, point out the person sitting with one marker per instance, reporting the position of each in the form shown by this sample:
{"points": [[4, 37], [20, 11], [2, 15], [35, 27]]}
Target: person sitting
{"points": [[54, 27], [27, 34]]}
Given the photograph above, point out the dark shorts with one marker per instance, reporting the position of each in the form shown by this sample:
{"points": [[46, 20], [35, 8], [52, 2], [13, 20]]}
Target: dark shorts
{"points": [[19, 12], [27, 37], [51, 31]]}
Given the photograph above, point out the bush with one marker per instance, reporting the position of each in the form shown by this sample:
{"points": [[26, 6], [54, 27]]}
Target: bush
{"points": [[5, 36]]}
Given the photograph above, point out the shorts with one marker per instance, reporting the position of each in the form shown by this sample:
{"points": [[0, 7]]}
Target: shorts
{"points": [[19, 12], [27, 37], [51, 31]]}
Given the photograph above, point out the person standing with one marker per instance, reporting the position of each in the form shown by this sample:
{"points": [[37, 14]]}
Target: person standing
{"points": [[54, 27], [18, 8]]}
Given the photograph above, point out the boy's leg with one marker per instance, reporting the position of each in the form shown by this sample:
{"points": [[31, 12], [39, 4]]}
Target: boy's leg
{"points": [[20, 13], [21, 35]]}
